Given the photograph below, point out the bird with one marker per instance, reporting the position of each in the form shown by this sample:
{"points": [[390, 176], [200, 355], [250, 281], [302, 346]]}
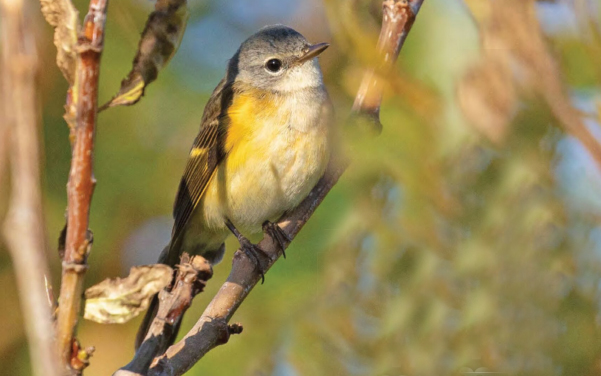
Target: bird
{"points": [[265, 140]]}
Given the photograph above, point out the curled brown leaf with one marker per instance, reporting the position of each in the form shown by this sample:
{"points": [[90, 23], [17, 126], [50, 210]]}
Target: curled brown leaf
{"points": [[118, 300], [160, 39], [62, 15]]}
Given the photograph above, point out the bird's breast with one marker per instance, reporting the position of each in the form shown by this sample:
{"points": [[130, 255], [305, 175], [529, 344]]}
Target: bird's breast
{"points": [[277, 147]]}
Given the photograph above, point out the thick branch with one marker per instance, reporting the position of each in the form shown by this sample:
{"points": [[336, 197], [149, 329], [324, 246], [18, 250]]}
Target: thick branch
{"points": [[23, 228], [211, 329], [83, 102]]}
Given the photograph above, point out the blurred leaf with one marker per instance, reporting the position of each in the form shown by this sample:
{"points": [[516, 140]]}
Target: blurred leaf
{"points": [[116, 301], [160, 39]]}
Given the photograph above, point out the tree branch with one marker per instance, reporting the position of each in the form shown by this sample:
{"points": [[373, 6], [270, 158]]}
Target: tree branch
{"points": [[212, 328], [81, 107], [192, 275], [23, 228]]}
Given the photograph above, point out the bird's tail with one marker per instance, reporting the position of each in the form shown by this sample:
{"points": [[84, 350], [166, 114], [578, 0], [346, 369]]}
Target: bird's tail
{"points": [[153, 308]]}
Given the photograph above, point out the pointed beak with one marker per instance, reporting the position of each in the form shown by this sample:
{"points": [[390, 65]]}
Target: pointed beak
{"points": [[312, 51]]}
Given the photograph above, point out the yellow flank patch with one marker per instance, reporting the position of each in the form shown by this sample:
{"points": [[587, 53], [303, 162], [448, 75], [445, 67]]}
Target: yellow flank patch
{"points": [[195, 152], [252, 116]]}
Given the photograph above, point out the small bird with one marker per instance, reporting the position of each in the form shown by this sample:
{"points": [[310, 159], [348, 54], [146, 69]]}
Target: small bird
{"points": [[265, 140]]}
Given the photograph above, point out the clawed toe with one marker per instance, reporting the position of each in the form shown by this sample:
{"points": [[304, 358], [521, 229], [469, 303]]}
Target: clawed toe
{"points": [[252, 251], [255, 253], [277, 234]]}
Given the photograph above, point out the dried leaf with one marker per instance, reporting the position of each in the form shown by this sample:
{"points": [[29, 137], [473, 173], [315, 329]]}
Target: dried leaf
{"points": [[160, 39], [62, 15], [116, 301]]}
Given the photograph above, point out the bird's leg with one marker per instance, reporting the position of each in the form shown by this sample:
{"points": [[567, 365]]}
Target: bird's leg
{"points": [[277, 234], [251, 250]]}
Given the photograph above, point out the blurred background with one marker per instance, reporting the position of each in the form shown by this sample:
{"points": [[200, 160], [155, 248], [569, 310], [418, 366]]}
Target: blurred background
{"points": [[464, 239]]}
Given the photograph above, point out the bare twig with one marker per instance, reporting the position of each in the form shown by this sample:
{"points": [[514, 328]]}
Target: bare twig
{"points": [[212, 328], [192, 275], [398, 17], [24, 226], [83, 103]]}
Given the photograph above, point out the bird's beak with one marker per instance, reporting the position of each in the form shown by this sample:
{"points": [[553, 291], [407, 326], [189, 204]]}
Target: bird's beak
{"points": [[312, 51]]}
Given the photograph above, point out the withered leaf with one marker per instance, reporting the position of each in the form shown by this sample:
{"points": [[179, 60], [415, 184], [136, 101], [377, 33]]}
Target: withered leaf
{"points": [[159, 42], [118, 300], [63, 16]]}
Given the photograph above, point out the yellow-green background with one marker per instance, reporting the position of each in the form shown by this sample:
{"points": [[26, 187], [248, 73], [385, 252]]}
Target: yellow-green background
{"points": [[439, 252]]}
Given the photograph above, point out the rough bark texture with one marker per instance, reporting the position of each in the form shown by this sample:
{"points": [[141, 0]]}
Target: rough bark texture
{"points": [[191, 278], [82, 108]]}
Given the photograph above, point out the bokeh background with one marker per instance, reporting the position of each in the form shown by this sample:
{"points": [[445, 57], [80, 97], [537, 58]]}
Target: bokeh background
{"points": [[464, 239]]}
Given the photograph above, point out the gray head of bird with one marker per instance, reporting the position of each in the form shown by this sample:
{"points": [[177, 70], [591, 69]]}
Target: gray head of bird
{"points": [[277, 58]]}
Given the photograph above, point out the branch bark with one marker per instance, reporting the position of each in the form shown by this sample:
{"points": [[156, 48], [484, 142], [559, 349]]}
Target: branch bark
{"points": [[23, 228], [82, 105], [212, 328], [192, 275]]}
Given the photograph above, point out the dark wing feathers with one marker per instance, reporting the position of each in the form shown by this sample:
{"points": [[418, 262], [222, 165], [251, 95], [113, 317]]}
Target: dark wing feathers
{"points": [[202, 165]]}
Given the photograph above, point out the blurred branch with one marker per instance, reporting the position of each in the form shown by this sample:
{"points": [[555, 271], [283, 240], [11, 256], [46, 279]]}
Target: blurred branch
{"points": [[81, 107], [23, 228], [398, 17], [511, 34], [4, 144], [212, 328]]}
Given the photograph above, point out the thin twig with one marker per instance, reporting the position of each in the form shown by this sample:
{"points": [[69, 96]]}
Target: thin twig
{"points": [[212, 329], [24, 225], [191, 278], [83, 101], [397, 17]]}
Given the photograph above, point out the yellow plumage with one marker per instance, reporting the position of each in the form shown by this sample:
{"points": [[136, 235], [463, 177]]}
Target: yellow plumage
{"points": [[263, 144], [248, 115], [274, 157]]}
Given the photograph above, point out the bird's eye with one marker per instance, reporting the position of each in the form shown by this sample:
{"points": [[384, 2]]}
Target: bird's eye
{"points": [[273, 65]]}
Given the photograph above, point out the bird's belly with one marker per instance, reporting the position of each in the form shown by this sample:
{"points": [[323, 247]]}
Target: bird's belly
{"points": [[264, 176]]}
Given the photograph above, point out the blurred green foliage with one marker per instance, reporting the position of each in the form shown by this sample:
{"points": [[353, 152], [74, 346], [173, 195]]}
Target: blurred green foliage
{"points": [[445, 247]]}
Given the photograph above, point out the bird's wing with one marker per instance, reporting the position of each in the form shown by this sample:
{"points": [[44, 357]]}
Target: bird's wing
{"points": [[205, 156]]}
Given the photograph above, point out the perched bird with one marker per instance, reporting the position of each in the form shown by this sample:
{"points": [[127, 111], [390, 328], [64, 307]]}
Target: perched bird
{"points": [[265, 140]]}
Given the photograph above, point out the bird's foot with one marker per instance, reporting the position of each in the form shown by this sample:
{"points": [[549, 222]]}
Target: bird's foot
{"points": [[277, 234], [252, 251], [255, 253]]}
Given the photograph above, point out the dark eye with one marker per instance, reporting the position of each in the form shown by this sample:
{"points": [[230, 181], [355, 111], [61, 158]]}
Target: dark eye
{"points": [[273, 65]]}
